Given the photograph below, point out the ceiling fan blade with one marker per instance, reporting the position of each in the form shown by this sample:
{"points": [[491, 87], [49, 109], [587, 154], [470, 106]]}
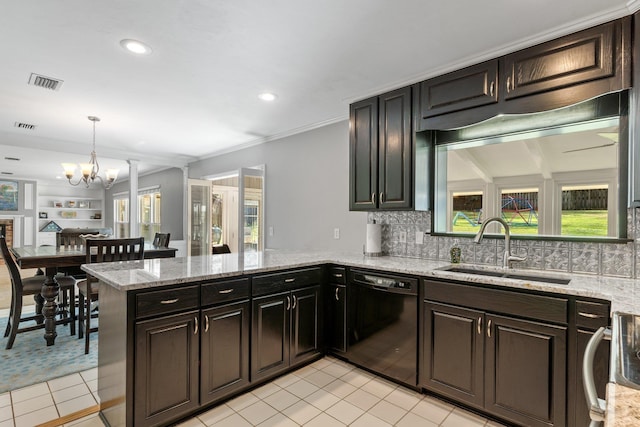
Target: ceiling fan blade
{"points": [[589, 148]]}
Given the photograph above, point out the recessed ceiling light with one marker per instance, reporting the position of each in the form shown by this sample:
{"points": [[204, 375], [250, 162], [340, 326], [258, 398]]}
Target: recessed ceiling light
{"points": [[135, 46], [268, 96]]}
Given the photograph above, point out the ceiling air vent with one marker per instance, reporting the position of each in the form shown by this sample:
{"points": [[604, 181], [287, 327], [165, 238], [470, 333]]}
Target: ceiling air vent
{"points": [[27, 126], [6, 173], [14, 159], [45, 82]]}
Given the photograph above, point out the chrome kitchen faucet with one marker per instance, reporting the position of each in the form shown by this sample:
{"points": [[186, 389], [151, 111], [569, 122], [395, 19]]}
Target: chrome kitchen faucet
{"points": [[507, 258]]}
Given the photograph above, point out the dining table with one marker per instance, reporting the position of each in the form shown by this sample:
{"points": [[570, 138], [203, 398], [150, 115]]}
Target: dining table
{"points": [[50, 258]]}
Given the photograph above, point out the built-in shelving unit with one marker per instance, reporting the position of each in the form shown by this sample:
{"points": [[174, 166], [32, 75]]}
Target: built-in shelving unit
{"points": [[68, 207]]}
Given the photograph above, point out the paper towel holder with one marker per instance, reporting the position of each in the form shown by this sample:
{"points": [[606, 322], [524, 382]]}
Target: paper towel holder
{"points": [[371, 235]]}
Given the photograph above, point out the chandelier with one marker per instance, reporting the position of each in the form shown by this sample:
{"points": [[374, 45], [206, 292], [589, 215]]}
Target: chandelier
{"points": [[90, 170]]}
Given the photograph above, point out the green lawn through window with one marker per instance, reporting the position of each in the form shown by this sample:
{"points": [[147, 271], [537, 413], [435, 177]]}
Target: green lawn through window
{"points": [[587, 223]]}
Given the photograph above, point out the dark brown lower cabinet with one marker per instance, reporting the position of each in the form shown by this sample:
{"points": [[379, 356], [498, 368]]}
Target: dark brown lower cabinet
{"points": [[336, 318], [166, 368], [590, 315], [224, 349], [286, 329], [525, 371], [512, 368], [454, 352]]}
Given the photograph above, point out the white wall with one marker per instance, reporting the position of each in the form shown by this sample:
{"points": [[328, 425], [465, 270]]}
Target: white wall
{"points": [[307, 188]]}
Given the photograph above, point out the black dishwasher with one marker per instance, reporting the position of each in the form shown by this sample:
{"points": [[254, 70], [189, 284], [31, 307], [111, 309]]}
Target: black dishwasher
{"points": [[383, 324]]}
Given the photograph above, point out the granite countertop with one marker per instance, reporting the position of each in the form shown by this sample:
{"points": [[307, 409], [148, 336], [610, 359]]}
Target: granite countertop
{"points": [[624, 294]]}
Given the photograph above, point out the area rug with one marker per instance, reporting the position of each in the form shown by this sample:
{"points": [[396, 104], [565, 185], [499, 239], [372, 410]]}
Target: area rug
{"points": [[30, 361]]}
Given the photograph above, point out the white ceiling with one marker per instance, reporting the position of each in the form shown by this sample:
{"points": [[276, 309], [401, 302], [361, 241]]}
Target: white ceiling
{"points": [[196, 94]]}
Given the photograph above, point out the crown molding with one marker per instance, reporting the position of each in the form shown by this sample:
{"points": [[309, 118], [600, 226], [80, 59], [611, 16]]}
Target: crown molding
{"points": [[507, 48], [633, 6]]}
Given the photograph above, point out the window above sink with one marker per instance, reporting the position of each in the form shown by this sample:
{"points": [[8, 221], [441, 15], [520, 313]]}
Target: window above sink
{"points": [[558, 174]]}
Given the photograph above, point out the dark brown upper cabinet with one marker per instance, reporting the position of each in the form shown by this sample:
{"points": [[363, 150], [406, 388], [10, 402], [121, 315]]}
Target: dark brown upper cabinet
{"points": [[470, 87], [574, 59], [551, 75], [381, 161]]}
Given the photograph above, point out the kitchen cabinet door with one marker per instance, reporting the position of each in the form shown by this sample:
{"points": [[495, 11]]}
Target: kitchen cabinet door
{"points": [[578, 58], [380, 154], [395, 157], [363, 155], [453, 346], [470, 87], [166, 368], [305, 323], [270, 335], [224, 349], [336, 317], [525, 371]]}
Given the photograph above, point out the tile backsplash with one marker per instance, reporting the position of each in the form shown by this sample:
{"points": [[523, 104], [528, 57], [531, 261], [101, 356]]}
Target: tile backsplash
{"points": [[607, 259]]}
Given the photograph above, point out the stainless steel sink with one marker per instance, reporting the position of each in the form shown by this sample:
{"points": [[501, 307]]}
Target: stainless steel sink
{"points": [[626, 351], [509, 275]]}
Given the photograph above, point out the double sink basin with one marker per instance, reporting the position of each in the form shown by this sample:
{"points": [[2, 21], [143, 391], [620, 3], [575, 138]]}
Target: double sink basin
{"points": [[507, 274]]}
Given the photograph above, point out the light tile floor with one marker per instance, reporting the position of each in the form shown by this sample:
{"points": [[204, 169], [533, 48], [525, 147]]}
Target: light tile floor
{"points": [[327, 393], [39, 403]]}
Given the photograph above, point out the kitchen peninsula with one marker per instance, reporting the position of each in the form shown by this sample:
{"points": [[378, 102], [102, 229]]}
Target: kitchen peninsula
{"points": [[183, 297]]}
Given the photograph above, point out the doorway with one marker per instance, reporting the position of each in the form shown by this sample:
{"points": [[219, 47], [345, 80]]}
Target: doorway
{"points": [[230, 207]]}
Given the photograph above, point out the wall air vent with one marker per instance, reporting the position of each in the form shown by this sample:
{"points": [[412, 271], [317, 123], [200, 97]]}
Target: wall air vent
{"points": [[27, 126], [45, 82]]}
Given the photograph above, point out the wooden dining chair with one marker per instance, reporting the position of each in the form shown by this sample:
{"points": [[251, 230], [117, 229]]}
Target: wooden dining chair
{"points": [[102, 250], [31, 286], [162, 240]]}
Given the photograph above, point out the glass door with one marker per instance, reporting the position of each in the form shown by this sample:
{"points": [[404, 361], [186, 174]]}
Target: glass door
{"points": [[237, 210], [251, 210], [199, 217]]}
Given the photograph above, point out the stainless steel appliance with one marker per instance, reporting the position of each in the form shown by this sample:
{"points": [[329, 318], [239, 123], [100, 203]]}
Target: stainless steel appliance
{"points": [[383, 319], [625, 361]]}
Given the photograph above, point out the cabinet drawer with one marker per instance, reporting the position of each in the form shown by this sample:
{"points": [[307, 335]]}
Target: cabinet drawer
{"points": [[270, 283], [226, 290], [338, 275], [592, 315], [538, 307], [167, 301]]}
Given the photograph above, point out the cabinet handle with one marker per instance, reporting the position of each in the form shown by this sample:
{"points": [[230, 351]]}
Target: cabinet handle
{"points": [[337, 294], [489, 328], [480, 325], [381, 197], [288, 303], [206, 323], [491, 87], [338, 275], [373, 198], [293, 279], [169, 301], [195, 327], [590, 315], [508, 84], [225, 291], [295, 301]]}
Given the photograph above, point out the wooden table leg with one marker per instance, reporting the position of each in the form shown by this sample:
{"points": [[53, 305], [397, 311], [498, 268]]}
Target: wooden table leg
{"points": [[49, 291], [39, 300]]}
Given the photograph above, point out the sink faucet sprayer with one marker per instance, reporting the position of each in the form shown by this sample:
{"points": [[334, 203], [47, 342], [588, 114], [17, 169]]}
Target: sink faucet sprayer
{"points": [[508, 258]]}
